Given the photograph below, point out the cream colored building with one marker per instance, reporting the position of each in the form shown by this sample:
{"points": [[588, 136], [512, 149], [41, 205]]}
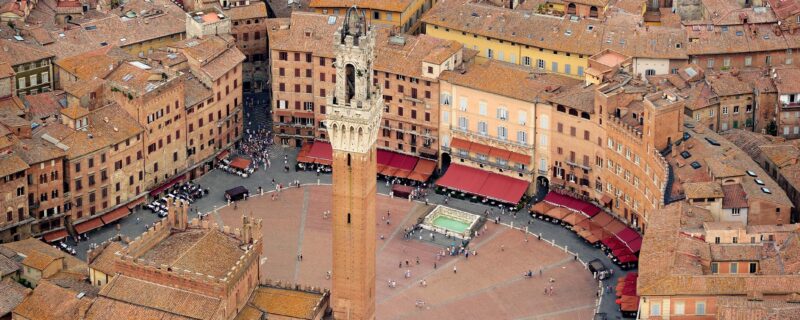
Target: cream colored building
{"points": [[488, 117]]}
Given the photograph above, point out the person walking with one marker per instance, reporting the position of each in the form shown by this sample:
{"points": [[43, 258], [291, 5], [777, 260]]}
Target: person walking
{"points": [[455, 270]]}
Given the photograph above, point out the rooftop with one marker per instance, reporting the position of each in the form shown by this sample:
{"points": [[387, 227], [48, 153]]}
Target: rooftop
{"points": [[13, 294], [305, 32], [16, 54], [134, 295], [675, 260], [719, 162], [509, 80], [32, 246], [383, 5], [406, 57], [51, 302], [286, 303], [202, 251]]}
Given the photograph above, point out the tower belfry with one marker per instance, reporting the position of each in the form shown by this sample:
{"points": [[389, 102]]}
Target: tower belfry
{"points": [[355, 110]]}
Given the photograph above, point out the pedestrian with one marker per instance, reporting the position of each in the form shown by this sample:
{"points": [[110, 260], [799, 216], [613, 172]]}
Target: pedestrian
{"points": [[400, 265], [454, 269], [434, 264], [502, 247], [417, 260], [540, 271]]}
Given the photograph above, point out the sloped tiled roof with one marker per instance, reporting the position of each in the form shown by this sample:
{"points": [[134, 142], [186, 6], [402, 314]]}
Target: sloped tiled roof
{"points": [[12, 295], [160, 297], [51, 302]]}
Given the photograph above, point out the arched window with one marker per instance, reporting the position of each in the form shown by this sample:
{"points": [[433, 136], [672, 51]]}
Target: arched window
{"points": [[350, 83], [593, 12], [571, 9]]}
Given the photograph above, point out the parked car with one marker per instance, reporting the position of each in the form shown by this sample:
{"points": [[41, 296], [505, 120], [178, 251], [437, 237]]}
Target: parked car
{"points": [[597, 266]]}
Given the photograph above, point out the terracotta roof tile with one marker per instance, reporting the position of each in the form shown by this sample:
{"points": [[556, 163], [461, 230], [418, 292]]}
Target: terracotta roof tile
{"points": [[287, 303], [17, 54], [104, 262], [38, 261], [95, 63], [13, 294], [735, 197], [709, 189], [383, 5], [11, 163], [45, 104], [108, 309], [788, 80], [726, 84], [50, 302], [214, 56], [27, 246], [305, 32], [36, 150], [160, 297], [407, 58], [207, 252], [8, 265], [252, 11], [118, 30], [509, 80]]}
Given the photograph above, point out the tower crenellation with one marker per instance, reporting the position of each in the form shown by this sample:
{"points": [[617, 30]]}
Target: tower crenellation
{"points": [[356, 105]]}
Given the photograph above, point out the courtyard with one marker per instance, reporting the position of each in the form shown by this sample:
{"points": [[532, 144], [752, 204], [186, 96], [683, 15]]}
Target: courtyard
{"points": [[490, 285]]}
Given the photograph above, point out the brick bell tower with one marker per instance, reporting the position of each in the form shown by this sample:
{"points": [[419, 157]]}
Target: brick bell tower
{"points": [[354, 116]]}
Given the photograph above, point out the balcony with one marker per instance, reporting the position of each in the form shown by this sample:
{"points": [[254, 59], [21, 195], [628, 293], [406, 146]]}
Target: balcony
{"points": [[493, 164], [574, 164], [479, 137]]}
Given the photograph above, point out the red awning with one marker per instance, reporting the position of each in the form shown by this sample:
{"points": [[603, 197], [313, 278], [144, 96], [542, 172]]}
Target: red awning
{"points": [[240, 163], [612, 243], [388, 171], [88, 225], [385, 157], [500, 154], [615, 227], [223, 154], [321, 152], [635, 245], [478, 148], [602, 219], [460, 144], [586, 208], [504, 188], [628, 235], [520, 158], [136, 202], [423, 170], [55, 235], [302, 156], [166, 185], [491, 185], [403, 162], [400, 173], [115, 215]]}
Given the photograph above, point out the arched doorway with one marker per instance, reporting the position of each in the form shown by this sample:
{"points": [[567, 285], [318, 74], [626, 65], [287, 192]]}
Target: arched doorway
{"points": [[542, 187], [571, 9], [593, 12], [445, 163]]}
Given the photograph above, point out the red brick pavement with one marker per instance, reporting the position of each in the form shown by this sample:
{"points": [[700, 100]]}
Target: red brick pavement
{"points": [[489, 286]]}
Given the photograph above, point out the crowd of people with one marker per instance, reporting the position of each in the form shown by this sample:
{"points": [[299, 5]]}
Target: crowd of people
{"points": [[255, 145]]}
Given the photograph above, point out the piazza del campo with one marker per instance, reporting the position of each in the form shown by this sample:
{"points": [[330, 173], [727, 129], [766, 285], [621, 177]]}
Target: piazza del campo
{"points": [[399, 159]]}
